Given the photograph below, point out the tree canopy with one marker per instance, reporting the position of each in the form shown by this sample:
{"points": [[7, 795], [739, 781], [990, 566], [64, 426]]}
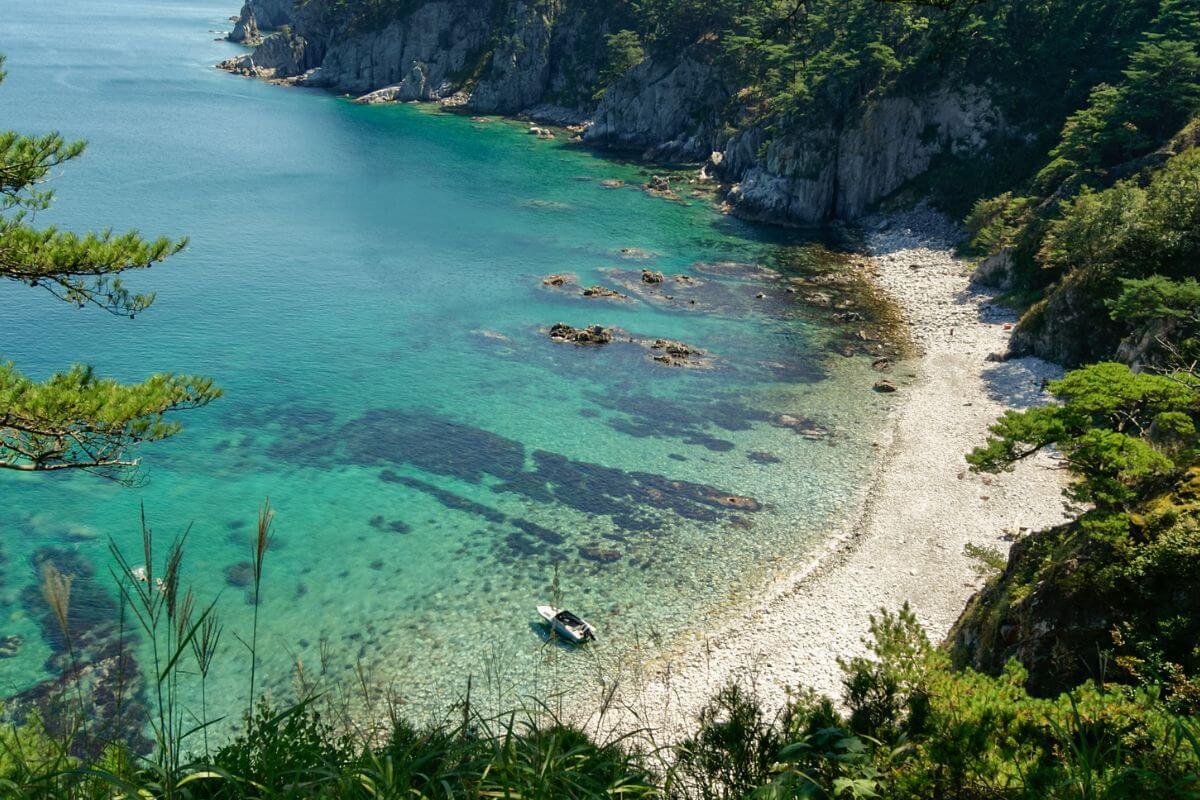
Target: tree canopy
{"points": [[1126, 436], [75, 419]]}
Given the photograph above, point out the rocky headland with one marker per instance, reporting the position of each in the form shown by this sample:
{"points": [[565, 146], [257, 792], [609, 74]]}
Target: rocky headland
{"points": [[545, 62]]}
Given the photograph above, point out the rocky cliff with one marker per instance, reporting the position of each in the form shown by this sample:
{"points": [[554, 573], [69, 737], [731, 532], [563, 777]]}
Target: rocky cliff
{"points": [[245, 30], [543, 57], [813, 173]]}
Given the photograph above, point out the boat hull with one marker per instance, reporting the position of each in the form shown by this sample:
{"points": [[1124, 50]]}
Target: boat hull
{"points": [[550, 614]]}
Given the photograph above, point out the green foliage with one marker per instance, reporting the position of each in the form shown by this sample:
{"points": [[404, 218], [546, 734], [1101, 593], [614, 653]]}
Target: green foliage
{"points": [[925, 729], [1108, 595], [1102, 243], [985, 560], [913, 727], [1103, 207], [920, 729], [1105, 428], [735, 749], [624, 52], [75, 420], [1115, 586], [1171, 307]]}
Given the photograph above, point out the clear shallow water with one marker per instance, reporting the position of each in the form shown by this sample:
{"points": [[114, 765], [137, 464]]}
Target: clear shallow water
{"points": [[364, 282]]}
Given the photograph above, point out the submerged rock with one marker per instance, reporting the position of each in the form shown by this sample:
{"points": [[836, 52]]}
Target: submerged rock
{"points": [[239, 575], [678, 354], [634, 253], [599, 554], [739, 501], [10, 646], [884, 386], [658, 183], [801, 426], [558, 279], [650, 276]]}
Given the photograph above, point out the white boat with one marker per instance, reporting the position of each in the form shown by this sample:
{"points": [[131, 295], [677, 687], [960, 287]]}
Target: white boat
{"points": [[572, 628]]}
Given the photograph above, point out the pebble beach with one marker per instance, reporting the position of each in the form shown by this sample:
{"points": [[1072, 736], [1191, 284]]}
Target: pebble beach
{"points": [[906, 544]]}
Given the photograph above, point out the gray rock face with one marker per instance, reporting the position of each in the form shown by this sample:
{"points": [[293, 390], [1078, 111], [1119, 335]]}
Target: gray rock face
{"points": [[281, 55], [995, 271], [519, 71], [793, 181], [667, 109], [1051, 328], [245, 30], [817, 174], [272, 14], [415, 58]]}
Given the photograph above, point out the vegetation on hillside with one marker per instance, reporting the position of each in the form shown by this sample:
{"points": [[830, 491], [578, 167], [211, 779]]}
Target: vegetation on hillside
{"points": [[76, 419], [1112, 595]]}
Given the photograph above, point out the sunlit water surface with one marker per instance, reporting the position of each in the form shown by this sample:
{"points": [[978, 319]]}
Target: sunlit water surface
{"points": [[365, 284]]}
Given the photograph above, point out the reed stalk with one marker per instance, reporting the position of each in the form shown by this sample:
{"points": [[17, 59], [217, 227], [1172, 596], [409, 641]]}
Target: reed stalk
{"points": [[262, 542], [56, 590]]}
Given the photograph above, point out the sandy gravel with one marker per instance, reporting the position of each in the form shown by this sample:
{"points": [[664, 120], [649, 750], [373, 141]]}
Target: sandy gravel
{"points": [[907, 543]]}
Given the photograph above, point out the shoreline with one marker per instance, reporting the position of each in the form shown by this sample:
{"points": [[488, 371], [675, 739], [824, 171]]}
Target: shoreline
{"points": [[905, 541]]}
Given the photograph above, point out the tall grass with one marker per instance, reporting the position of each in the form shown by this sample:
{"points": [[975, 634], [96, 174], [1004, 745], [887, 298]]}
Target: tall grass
{"points": [[889, 742]]}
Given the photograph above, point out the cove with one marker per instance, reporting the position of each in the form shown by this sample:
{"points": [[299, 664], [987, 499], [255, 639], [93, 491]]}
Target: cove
{"points": [[366, 284]]}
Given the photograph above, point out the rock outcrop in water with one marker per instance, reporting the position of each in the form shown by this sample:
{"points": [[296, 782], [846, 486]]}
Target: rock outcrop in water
{"points": [[544, 60], [592, 334], [245, 30]]}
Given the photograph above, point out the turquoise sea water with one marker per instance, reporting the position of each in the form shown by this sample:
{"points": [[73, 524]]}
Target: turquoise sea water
{"points": [[365, 284]]}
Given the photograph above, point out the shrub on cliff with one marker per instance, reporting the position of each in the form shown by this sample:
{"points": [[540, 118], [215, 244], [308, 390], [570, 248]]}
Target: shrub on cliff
{"points": [[1103, 206], [1096, 247], [1113, 594]]}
